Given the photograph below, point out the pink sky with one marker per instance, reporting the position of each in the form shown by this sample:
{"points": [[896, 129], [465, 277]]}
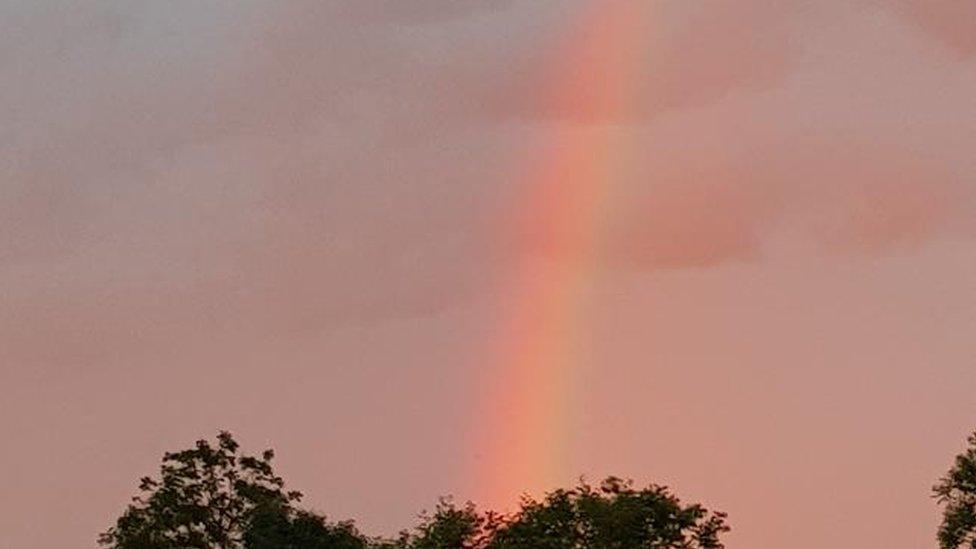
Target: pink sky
{"points": [[293, 219]]}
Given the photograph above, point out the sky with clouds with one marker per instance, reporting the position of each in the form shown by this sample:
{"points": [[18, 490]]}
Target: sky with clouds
{"points": [[291, 220]]}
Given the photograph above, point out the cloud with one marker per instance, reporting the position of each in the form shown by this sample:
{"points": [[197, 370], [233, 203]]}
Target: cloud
{"points": [[287, 167], [952, 22], [415, 11], [674, 54]]}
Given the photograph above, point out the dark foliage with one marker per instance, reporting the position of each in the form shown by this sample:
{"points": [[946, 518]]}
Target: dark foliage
{"points": [[207, 497], [210, 497], [957, 492], [285, 528], [449, 527], [614, 515]]}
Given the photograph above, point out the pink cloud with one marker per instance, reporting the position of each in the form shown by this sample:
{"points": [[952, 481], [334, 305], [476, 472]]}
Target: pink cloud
{"points": [[951, 21], [684, 55]]}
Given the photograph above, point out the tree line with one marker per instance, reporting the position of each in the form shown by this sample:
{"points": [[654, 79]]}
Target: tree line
{"points": [[212, 496]]}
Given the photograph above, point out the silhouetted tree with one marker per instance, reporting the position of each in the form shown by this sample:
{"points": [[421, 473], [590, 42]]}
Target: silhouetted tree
{"points": [[449, 527], [957, 492], [211, 497], [208, 497], [613, 515], [288, 528]]}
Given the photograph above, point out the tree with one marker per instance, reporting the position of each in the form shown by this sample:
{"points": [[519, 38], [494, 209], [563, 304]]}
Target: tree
{"points": [[207, 497], [449, 527], [957, 492], [287, 528], [614, 515], [212, 497]]}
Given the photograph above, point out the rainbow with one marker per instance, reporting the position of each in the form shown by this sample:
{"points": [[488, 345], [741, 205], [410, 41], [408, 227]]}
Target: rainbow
{"points": [[523, 434]]}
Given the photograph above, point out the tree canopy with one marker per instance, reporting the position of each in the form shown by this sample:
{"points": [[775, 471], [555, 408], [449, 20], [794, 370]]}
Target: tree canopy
{"points": [[957, 492], [613, 515], [213, 497], [288, 528], [207, 497]]}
